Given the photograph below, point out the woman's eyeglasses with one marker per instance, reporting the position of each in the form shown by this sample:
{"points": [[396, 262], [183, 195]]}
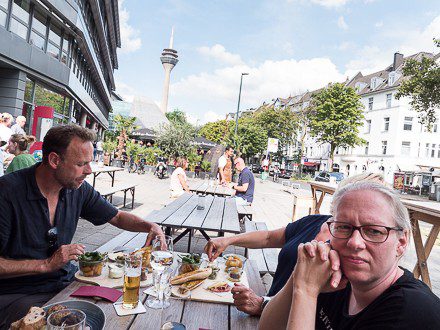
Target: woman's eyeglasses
{"points": [[370, 233]]}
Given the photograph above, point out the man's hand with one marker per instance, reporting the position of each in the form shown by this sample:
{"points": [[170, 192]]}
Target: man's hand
{"points": [[246, 300], [154, 232], [215, 247], [63, 255]]}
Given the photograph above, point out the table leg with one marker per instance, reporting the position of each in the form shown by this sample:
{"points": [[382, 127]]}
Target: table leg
{"points": [[179, 237], [94, 178], [205, 235], [420, 251], [168, 231], [112, 176], [318, 203], [189, 241], [428, 246]]}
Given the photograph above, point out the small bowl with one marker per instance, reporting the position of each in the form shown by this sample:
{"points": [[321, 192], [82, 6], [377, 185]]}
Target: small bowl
{"points": [[91, 268], [234, 274]]}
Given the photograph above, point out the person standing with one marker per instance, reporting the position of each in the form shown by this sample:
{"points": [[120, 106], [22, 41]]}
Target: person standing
{"points": [[244, 189], [18, 127], [5, 124], [225, 165], [18, 146], [99, 150]]}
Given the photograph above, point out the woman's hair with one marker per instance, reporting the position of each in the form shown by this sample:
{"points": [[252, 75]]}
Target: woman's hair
{"points": [[23, 141], [399, 211], [5, 116], [180, 161]]}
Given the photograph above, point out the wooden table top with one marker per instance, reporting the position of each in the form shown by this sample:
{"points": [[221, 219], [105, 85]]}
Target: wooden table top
{"points": [[206, 188], [102, 169], [193, 315], [327, 187], [220, 214]]}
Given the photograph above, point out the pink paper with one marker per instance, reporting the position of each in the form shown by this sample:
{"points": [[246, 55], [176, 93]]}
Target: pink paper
{"points": [[98, 291]]}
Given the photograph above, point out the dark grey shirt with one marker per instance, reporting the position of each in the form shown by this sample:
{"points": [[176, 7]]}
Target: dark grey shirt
{"points": [[24, 224], [246, 176]]}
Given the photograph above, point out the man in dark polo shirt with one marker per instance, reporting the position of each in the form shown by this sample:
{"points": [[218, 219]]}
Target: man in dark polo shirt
{"points": [[244, 189], [39, 211]]}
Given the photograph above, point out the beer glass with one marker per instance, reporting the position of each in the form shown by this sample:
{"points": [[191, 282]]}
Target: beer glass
{"points": [[161, 261], [132, 281]]}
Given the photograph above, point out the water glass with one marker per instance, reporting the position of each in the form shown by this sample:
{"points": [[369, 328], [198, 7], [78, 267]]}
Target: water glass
{"points": [[67, 319]]}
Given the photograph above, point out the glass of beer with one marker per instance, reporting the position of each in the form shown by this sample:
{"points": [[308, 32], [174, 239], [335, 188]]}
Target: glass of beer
{"points": [[132, 281]]}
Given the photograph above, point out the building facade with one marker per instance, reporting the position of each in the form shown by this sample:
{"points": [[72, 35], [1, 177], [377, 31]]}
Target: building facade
{"points": [[57, 59]]}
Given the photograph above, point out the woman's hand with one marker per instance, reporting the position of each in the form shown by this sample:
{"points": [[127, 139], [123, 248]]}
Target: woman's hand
{"points": [[317, 269], [215, 247]]}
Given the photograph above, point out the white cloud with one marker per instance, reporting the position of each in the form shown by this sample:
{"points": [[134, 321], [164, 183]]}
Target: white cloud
{"points": [[345, 45], [126, 91], [130, 41], [341, 23], [378, 24], [330, 3], [219, 53]]}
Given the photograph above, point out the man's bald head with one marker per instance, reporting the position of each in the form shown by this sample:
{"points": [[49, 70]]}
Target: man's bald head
{"points": [[239, 164]]}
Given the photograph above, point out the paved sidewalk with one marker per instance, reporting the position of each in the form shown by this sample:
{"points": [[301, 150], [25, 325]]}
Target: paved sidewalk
{"points": [[272, 205]]}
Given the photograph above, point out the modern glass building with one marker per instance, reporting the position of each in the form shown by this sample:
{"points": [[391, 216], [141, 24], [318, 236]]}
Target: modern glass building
{"points": [[57, 59]]}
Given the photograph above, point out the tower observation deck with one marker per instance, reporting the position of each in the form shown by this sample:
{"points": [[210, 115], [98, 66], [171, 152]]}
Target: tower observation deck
{"points": [[169, 61]]}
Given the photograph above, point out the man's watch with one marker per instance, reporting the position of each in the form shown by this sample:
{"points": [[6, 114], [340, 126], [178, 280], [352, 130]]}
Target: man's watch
{"points": [[266, 300]]}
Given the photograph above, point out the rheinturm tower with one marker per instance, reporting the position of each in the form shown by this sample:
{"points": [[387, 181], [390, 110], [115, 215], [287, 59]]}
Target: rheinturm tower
{"points": [[169, 61]]}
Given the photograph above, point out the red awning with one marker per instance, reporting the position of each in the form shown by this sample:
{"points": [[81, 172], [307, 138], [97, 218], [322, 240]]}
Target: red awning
{"points": [[310, 163]]}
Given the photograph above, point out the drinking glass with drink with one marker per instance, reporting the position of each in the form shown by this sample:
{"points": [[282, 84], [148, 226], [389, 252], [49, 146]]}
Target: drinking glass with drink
{"points": [[132, 281], [161, 261]]}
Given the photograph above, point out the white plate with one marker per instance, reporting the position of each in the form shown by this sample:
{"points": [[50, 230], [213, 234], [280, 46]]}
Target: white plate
{"points": [[112, 256]]}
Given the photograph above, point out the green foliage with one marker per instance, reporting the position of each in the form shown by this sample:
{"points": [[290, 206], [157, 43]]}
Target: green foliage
{"points": [[176, 140], [336, 117], [251, 137], [193, 159], [134, 150], [124, 126], [151, 154], [109, 145], [423, 86], [177, 117], [216, 131], [206, 166]]}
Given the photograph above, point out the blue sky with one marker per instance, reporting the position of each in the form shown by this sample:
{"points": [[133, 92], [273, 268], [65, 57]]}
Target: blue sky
{"points": [[286, 46]]}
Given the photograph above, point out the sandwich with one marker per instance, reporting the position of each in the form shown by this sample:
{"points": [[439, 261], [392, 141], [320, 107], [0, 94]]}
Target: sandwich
{"points": [[199, 274], [188, 286], [219, 287], [35, 319]]}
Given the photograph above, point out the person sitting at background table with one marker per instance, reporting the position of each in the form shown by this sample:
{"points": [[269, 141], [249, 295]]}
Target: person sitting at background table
{"points": [[18, 146], [287, 238], [355, 281], [178, 180], [40, 208], [244, 189]]}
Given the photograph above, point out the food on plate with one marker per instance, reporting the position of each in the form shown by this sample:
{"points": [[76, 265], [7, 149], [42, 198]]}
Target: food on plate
{"points": [[215, 270], [91, 263], [233, 261], [234, 274], [55, 308], [34, 319], [67, 319], [188, 286], [219, 287], [115, 271], [189, 263], [199, 274], [146, 256]]}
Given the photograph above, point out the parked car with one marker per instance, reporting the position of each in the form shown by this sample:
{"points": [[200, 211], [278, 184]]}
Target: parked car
{"points": [[286, 174], [256, 168], [325, 176]]}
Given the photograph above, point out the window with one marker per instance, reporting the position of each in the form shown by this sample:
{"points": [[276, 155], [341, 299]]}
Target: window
{"points": [[434, 127], [3, 12], [389, 100], [366, 148], [433, 150], [54, 44], [368, 126], [427, 150], [39, 29], [406, 148], [384, 147], [386, 124], [20, 18], [407, 124], [65, 49], [391, 78], [370, 103]]}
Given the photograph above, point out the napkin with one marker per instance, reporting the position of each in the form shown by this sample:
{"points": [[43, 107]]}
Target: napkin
{"points": [[98, 291]]}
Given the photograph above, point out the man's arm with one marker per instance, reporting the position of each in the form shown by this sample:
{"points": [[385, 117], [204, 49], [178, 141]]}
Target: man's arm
{"points": [[242, 188], [131, 222]]}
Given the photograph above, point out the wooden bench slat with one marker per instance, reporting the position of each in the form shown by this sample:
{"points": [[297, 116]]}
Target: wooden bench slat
{"points": [[178, 217], [115, 189], [256, 254], [165, 212], [195, 219], [213, 220], [230, 217]]}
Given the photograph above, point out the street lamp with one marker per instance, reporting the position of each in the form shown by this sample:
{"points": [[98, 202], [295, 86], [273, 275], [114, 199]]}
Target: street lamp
{"points": [[238, 107]]}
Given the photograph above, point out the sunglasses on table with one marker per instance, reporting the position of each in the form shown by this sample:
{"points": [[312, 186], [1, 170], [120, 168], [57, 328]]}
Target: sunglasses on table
{"points": [[52, 239], [370, 233]]}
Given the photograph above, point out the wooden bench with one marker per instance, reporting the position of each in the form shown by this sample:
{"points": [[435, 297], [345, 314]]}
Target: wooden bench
{"points": [[109, 192], [266, 259], [245, 211], [289, 186]]}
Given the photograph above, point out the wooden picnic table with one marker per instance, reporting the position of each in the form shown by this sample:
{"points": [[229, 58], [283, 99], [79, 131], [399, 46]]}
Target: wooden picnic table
{"points": [[219, 215], [192, 314], [204, 188], [110, 170], [419, 211]]}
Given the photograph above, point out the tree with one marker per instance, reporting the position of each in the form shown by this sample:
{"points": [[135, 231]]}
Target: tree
{"points": [[422, 84], [124, 125], [336, 117], [216, 131], [177, 117], [251, 138], [175, 140]]}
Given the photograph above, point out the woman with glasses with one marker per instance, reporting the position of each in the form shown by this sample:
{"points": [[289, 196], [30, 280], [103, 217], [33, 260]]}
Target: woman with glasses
{"points": [[357, 283], [287, 238]]}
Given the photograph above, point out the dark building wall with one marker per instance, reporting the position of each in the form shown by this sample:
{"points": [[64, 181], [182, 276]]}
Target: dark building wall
{"points": [[12, 85]]}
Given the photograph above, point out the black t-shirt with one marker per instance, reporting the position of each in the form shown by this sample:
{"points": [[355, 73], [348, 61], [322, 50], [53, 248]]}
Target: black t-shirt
{"points": [[407, 304], [301, 231], [24, 224]]}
